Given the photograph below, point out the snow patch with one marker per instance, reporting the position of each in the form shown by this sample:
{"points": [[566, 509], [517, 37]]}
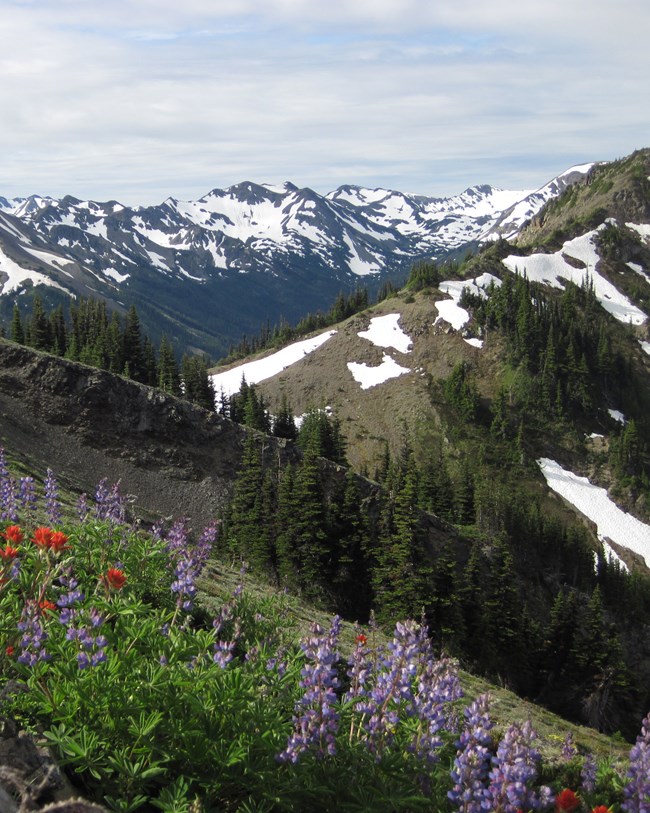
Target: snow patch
{"points": [[642, 229], [229, 381], [372, 376], [384, 331], [645, 346], [551, 268], [17, 276], [611, 521], [115, 274], [450, 311], [616, 415]]}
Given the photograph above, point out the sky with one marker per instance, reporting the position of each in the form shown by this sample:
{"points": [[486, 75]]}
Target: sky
{"points": [[138, 100]]}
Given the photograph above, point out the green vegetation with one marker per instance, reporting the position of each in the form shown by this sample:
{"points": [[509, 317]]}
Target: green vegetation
{"points": [[93, 336], [153, 701]]}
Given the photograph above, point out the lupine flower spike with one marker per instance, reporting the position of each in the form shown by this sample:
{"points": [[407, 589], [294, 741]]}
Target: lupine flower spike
{"points": [[637, 790]]}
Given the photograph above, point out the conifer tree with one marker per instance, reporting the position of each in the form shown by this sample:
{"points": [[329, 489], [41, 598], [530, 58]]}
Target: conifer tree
{"points": [[284, 425], [39, 335], [168, 376], [17, 331], [132, 350], [247, 521]]}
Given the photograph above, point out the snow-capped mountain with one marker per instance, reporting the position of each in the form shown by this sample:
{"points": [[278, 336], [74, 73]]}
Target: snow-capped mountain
{"points": [[279, 250]]}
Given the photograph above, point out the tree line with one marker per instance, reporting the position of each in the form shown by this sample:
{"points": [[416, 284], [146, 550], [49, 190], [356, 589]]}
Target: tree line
{"points": [[90, 334]]}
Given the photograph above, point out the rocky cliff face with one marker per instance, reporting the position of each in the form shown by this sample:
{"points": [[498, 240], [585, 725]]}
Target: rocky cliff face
{"points": [[86, 424], [176, 459]]}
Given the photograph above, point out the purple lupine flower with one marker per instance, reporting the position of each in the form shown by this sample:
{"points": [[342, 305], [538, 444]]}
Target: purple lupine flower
{"points": [[568, 750], [438, 686], [223, 652], [101, 497], [472, 762], [8, 507], [73, 596], [393, 687], [115, 506], [588, 774], [33, 639], [156, 531], [52, 504], [7, 491], [316, 720], [514, 768], [27, 497], [359, 669], [82, 507], [189, 560], [637, 790], [83, 628]]}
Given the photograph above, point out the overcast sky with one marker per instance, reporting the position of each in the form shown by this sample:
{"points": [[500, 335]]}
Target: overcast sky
{"points": [[137, 100]]}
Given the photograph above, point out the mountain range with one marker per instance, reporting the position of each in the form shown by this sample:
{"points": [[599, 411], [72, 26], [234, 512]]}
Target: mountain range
{"points": [[208, 271], [495, 419]]}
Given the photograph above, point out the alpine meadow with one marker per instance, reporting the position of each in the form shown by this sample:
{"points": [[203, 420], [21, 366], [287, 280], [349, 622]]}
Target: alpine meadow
{"points": [[327, 502]]}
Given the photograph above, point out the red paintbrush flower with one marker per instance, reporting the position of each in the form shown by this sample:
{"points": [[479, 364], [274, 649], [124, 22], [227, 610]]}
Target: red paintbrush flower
{"points": [[115, 578], [8, 553], [42, 537], [58, 541], [601, 809], [567, 801], [13, 533], [46, 604]]}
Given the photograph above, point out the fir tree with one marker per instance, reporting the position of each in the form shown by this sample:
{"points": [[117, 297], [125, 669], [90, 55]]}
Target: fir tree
{"points": [[17, 331]]}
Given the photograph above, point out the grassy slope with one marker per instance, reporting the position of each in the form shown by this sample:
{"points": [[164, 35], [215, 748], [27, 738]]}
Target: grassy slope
{"points": [[220, 579]]}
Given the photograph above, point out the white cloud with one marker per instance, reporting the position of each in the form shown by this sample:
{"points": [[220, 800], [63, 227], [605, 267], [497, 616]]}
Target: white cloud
{"points": [[142, 99]]}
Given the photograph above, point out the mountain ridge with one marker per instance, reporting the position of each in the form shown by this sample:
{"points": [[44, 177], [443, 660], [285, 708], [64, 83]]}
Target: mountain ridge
{"points": [[278, 250]]}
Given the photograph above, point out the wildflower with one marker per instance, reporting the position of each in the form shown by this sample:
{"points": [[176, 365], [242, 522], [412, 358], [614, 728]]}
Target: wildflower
{"points": [[472, 761], [73, 596], [32, 643], [316, 721], [437, 687], [27, 496], [567, 801], [393, 685], [601, 809], [45, 604], [9, 651], [637, 790], [569, 750], [588, 774], [114, 578], [42, 537], [7, 491], [52, 505], [8, 553], [514, 767], [58, 542], [13, 533], [359, 670], [82, 507]]}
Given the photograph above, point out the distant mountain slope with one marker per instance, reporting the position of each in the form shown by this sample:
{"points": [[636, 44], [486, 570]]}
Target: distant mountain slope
{"points": [[208, 271], [375, 370]]}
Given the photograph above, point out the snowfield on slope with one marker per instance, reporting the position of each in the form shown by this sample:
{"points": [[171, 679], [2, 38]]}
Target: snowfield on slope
{"points": [[611, 521], [451, 312], [384, 331], [549, 269], [372, 376], [229, 382]]}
